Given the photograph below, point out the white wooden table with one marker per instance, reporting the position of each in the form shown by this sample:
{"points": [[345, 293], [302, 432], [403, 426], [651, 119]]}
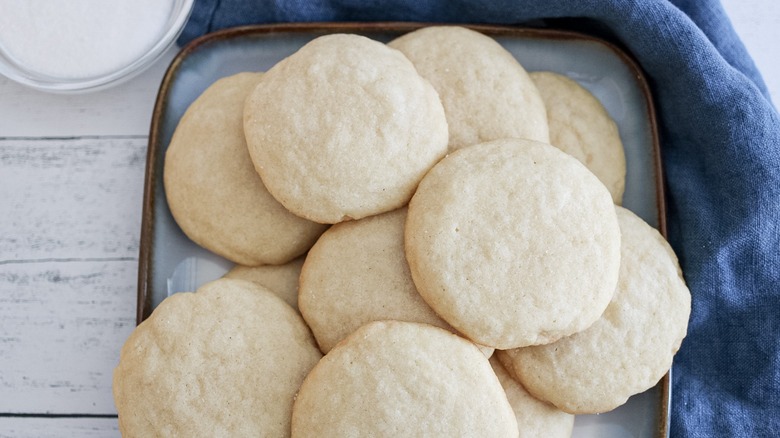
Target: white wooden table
{"points": [[71, 180]]}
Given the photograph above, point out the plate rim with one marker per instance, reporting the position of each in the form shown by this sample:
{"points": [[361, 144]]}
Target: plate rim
{"points": [[145, 259]]}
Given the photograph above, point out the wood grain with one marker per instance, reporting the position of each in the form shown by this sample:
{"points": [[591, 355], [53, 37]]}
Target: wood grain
{"points": [[68, 269], [15, 427], [63, 325], [70, 198], [757, 22]]}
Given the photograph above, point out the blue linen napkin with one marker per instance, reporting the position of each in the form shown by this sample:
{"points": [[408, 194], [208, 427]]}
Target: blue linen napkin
{"points": [[720, 138]]}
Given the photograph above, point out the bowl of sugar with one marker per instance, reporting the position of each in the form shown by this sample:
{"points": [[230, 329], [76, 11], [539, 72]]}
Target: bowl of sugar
{"points": [[84, 45]]}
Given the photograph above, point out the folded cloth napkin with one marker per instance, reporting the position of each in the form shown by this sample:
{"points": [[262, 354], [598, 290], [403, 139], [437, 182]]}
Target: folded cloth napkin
{"points": [[720, 140]]}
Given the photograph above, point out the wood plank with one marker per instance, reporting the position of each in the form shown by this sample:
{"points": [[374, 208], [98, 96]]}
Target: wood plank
{"points": [[70, 198], [70, 223], [122, 110], [757, 23], [25, 427], [62, 325]]}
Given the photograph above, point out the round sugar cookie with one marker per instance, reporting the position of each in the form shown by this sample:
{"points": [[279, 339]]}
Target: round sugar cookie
{"points": [[487, 95], [213, 191], [279, 279], [344, 128], [393, 379], [357, 273], [224, 361], [630, 348], [581, 127], [513, 243], [535, 418]]}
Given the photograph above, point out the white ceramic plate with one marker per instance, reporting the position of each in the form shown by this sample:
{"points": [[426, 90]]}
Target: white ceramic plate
{"points": [[170, 262]]}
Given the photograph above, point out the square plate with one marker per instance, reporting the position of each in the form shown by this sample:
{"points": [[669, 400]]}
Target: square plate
{"points": [[169, 262]]}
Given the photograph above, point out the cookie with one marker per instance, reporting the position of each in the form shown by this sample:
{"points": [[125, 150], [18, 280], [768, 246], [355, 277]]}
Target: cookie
{"points": [[224, 361], [581, 127], [343, 129], [513, 243], [630, 348], [487, 95], [279, 279], [213, 191], [391, 379], [535, 418], [357, 273]]}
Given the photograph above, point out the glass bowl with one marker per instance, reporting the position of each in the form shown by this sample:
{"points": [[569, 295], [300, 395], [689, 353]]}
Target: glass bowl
{"points": [[19, 72]]}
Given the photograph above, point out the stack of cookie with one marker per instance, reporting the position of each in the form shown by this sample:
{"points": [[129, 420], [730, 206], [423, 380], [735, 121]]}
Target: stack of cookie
{"points": [[404, 210]]}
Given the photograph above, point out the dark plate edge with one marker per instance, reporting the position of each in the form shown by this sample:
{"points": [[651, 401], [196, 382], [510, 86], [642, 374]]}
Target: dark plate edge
{"points": [[145, 260], [144, 305]]}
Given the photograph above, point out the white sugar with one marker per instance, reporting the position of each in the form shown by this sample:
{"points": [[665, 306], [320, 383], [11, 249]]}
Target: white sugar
{"points": [[78, 39]]}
